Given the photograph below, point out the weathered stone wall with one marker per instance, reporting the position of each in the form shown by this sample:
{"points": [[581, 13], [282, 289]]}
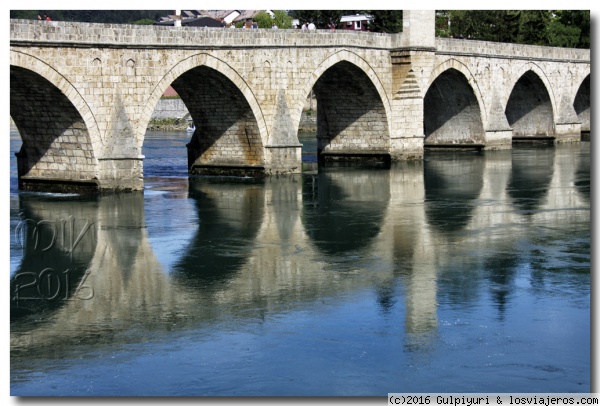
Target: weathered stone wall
{"points": [[153, 37], [351, 118], [170, 108]]}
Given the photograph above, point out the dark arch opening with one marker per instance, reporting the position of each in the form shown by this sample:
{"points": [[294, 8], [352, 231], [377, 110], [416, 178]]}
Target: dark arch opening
{"points": [[452, 115], [227, 138], [582, 106], [529, 110], [351, 118], [56, 154]]}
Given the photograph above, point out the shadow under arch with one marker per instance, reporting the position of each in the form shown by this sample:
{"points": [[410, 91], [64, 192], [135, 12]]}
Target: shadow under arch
{"points": [[230, 127], [529, 109], [354, 59], [530, 176], [56, 138], [351, 117], [230, 215], [582, 105], [343, 211], [353, 109], [452, 114], [453, 183]]}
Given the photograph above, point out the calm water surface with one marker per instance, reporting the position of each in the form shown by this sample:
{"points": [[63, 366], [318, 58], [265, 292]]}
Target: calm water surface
{"points": [[466, 272]]}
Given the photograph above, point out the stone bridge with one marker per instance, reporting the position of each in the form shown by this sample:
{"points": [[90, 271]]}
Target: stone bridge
{"points": [[82, 96]]}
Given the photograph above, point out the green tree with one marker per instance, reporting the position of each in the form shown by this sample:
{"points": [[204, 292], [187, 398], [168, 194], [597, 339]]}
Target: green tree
{"points": [[442, 28], [533, 29], [263, 19], [321, 18], [536, 27], [282, 19], [25, 14], [389, 21], [579, 19], [144, 21]]}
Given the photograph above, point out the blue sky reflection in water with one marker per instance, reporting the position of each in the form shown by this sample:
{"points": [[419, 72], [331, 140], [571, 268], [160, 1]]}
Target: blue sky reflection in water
{"points": [[466, 272]]}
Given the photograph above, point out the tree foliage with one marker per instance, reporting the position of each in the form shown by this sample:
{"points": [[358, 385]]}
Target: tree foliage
{"points": [[535, 27], [389, 21], [282, 19], [263, 19], [144, 21], [321, 18]]}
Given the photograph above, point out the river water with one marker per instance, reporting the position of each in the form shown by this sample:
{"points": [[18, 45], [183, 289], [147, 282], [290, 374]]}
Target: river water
{"points": [[464, 272]]}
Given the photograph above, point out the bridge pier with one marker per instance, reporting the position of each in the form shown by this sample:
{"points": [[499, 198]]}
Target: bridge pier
{"points": [[567, 132], [121, 173], [283, 153]]}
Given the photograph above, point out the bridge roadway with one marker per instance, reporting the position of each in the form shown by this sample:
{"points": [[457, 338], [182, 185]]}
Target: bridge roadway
{"points": [[287, 243], [82, 96]]}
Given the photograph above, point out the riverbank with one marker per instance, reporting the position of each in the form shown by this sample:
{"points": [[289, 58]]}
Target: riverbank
{"points": [[308, 123], [167, 124], [171, 114]]}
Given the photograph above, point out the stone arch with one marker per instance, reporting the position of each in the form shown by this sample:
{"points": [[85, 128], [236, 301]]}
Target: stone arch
{"points": [[355, 59], [462, 68], [230, 127], [362, 125], [531, 107], [581, 104], [60, 136], [453, 107], [36, 65], [197, 60]]}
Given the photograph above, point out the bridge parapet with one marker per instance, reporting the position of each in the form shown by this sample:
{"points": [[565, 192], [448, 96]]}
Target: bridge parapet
{"points": [[66, 34], [506, 50]]}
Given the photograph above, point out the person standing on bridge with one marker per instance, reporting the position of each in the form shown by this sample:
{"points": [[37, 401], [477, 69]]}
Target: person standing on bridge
{"points": [[311, 26]]}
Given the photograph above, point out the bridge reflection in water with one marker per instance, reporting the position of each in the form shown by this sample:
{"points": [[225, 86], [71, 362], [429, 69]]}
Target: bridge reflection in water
{"points": [[208, 254]]}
